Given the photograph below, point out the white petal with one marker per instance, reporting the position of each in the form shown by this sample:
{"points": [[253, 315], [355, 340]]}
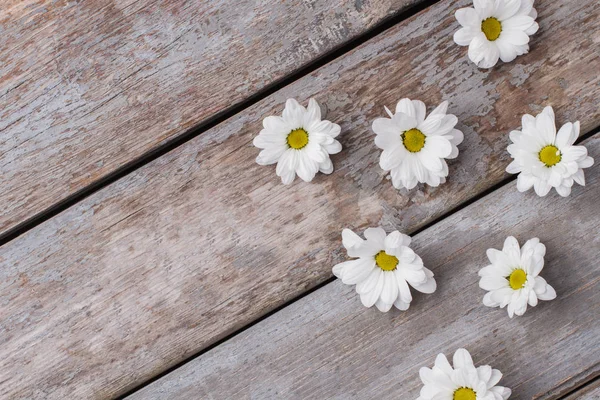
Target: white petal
{"points": [[514, 37], [430, 161], [420, 110], [488, 301], [482, 52], [541, 187], [326, 167], [525, 182], [484, 8], [389, 292], [463, 36], [393, 241], [376, 236], [369, 284], [563, 191], [385, 140], [492, 282], [351, 239], [333, 148], [392, 157], [545, 124], [468, 17], [385, 126], [566, 135], [512, 250], [518, 22], [306, 168], [293, 113], [286, 166], [369, 298], [404, 290], [270, 155], [438, 145], [314, 111], [276, 125], [508, 51], [355, 271], [407, 107], [494, 378], [507, 9], [428, 287], [401, 305], [383, 306], [462, 359]]}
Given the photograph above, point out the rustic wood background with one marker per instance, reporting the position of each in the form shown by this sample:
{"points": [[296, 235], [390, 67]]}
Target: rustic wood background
{"points": [[194, 275], [89, 86]]}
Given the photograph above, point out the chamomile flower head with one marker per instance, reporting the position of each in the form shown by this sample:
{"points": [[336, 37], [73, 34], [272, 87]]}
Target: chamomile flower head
{"points": [[384, 268], [496, 29], [461, 380], [546, 159], [415, 146], [298, 141], [513, 277]]}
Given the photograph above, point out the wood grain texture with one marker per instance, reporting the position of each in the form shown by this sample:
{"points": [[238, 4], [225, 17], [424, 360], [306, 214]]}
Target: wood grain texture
{"points": [[89, 86], [202, 241], [328, 346], [589, 392]]}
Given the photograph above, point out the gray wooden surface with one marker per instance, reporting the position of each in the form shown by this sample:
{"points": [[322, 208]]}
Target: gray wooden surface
{"points": [[328, 346], [89, 86], [589, 392], [203, 241]]}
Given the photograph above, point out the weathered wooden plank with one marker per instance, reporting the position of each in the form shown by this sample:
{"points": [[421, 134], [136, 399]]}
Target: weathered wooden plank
{"points": [[197, 244], [88, 86], [327, 345], [588, 392]]}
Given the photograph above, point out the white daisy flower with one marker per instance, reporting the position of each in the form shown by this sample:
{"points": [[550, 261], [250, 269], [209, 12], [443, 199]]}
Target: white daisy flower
{"points": [[496, 29], [384, 269], [461, 381], [298, 141], [414, 147], [545, 159], [512, 279]]}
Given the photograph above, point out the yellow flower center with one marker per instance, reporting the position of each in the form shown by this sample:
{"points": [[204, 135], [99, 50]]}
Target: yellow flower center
{"points": [[491, 28], [517, 279], [550, 155], [464, 393], [385, 261], [413, 140], [297, 139]]}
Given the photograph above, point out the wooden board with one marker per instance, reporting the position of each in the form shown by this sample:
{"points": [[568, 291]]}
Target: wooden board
{"points": [[589, 392], [327, 345], [199, 243], [87, 87]]}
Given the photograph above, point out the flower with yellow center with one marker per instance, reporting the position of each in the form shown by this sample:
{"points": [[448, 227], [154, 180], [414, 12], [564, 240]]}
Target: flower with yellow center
{"points": [[545, 159], [496, 29], [384, 268], [415, 146], [461, 380], [513, 278], [299, 142]]}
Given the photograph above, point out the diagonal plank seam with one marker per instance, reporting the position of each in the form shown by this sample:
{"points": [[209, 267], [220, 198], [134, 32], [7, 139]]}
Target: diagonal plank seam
{"points": [[210, 122], [332, 279], [575, 391]]}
